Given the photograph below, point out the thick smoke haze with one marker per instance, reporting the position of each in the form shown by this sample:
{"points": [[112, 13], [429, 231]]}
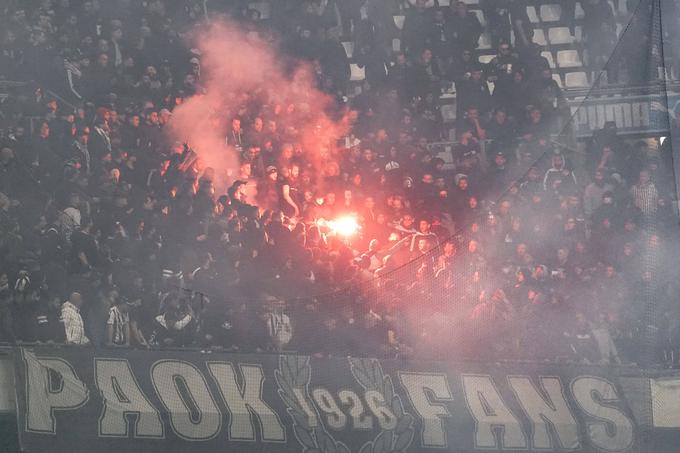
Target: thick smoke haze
{"points": [[242, 75]]}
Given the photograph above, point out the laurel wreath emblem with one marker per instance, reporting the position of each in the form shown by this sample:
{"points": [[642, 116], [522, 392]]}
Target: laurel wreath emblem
{"points": [[293, 377], [369, 374], [294, 374]]}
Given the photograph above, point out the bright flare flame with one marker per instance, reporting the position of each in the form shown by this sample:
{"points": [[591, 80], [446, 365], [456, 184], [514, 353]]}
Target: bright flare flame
{"points": [[342, 226]]}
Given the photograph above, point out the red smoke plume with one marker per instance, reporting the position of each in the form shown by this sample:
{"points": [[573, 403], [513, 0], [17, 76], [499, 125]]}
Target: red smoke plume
{"points": [[242, 75]]}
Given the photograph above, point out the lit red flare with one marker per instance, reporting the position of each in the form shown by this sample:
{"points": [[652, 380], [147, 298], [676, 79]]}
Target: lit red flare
{"points": [[341, 226]]}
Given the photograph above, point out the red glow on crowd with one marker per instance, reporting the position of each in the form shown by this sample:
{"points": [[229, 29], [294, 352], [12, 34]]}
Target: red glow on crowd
{"points": [[240, 70]]}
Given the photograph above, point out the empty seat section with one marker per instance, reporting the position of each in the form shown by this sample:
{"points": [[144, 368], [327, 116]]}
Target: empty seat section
{"points": [[531, 12], [539, 37], [396, 44], [558, 79], [560, 35], [485, 41], [480, 17], [349, 48], [614, 5], [484, 59], [579, 11], [549, 56], [357, 74], [550, 13], [568, 59], [264, 8], [576, 80]]}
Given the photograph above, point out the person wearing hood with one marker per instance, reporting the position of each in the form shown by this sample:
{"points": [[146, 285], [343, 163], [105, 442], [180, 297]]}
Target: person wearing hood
{"points": [[559, 177]]}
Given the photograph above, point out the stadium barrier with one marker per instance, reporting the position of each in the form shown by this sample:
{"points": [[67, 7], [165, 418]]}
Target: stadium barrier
{"points": [[177, 401], [640, 111]]}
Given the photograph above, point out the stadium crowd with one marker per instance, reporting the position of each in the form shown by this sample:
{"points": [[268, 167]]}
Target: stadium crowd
{"points": [[521, 248]]}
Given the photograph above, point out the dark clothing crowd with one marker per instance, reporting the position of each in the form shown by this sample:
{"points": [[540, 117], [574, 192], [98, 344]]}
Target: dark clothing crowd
{"points": [[518, 245]]}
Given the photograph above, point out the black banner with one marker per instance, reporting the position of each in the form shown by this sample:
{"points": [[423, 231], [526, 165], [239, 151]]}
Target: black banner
{"points": [[113, 401]]}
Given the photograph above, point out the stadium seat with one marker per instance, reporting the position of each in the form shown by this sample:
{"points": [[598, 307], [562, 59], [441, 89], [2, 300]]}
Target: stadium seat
{"points": [[349, 48], [484, 41], [485, 59], [560, 35], [558, 79], [579, 11], [480, 17], [549, 56], [357, 74], [531, 12], [550, 13], [399, 21], [576, 80], [448, 112], [264, 7], [568, 59], [539, 37], [614, 5]]}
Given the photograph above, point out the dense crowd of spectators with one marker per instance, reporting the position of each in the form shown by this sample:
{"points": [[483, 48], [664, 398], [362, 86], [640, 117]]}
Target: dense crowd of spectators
{"points": [[523, 248]]}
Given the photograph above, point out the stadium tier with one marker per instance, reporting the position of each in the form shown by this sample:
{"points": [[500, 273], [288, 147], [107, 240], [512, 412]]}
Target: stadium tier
{"points": [[373, 226]]}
